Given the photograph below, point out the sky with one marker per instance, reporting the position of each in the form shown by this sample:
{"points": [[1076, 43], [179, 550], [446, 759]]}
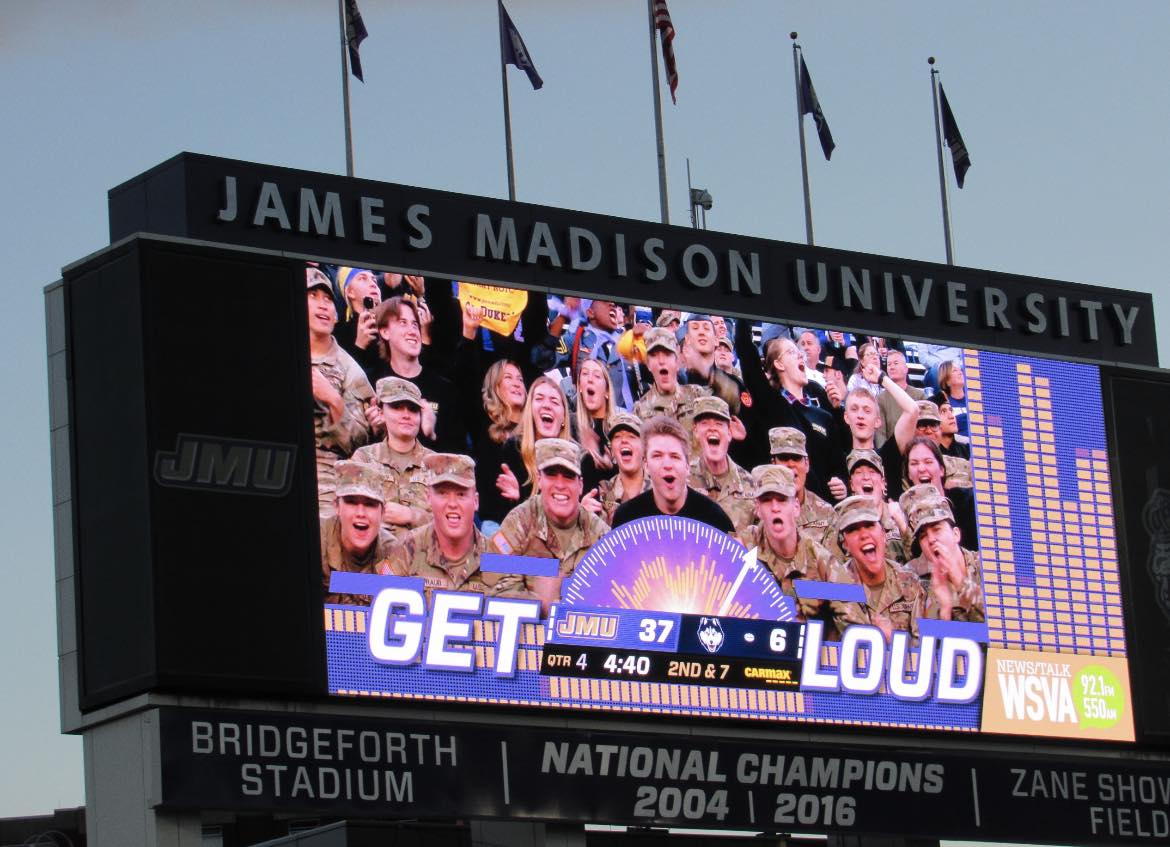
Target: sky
{"points": [[1064, 106]]}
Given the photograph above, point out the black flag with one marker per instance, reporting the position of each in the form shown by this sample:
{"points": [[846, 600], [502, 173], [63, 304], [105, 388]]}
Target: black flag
{"points": [[513, 51], [810, 105], [355, 34], [954, 140]]}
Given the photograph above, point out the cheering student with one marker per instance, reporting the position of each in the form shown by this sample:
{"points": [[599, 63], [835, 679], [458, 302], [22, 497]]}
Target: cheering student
{"points": [[667, 448]]}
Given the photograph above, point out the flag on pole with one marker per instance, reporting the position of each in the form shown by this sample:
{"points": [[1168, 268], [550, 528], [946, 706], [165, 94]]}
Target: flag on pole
{"points": [[959, 155], [810, 105], [513, 51], [355, 34], [666, 33]]}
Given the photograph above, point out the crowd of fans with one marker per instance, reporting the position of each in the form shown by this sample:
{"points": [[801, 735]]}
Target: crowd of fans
{"points": [[440, 441]]}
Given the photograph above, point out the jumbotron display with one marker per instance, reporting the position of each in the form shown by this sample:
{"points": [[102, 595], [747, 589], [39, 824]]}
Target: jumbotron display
{"points": [[593, 505]]}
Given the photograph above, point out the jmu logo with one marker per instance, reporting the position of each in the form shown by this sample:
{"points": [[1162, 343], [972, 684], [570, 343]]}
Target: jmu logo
{"points": [[587, 625], [710, 634], [220, 464], [1156, 518]]}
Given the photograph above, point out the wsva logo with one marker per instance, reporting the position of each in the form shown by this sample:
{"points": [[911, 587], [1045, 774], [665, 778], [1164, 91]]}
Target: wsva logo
{"points": [[222, 464]]}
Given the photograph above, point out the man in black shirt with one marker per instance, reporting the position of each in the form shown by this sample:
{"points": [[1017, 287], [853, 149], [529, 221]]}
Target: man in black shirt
{"points": [[666, 446], [443, 427]]}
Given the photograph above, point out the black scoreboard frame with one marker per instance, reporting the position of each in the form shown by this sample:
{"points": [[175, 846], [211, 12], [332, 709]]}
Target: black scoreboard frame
{"points": [[160, 302]]}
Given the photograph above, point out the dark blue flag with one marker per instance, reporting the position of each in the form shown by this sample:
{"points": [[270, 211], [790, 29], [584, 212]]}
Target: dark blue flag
{"points": [[810, 105], [959, 155], [513, 51], [355, 34]]}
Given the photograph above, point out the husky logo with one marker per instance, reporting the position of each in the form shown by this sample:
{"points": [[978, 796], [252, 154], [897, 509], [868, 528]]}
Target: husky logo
{"points": [[710, 634], [220, 464], [1156, 518]]}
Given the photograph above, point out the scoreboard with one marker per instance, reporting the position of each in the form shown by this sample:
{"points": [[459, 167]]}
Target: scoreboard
{"points": [[669, 628]]}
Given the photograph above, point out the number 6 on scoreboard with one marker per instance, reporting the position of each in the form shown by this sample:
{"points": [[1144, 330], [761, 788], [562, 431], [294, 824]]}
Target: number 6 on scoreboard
{"points": [[652, 629]]}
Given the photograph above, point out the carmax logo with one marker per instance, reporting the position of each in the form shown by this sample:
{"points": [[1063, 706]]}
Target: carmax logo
{"points": [[226, 464]]}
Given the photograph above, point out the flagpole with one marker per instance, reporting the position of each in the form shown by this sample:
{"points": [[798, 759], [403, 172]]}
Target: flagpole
{"points": [[942, 178], [507, 113], [663, 202], [345, 90], [808, 227]]}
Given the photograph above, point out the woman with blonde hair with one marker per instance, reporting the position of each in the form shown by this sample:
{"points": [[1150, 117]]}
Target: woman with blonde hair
{"points": [[545, 415], [496, 442], [595, 406]]}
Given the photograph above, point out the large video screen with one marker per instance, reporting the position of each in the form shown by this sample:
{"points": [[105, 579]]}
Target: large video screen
{"points": [[580, 504]]}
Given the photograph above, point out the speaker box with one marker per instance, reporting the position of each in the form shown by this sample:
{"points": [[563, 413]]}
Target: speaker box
{"points": [[193, 476]]}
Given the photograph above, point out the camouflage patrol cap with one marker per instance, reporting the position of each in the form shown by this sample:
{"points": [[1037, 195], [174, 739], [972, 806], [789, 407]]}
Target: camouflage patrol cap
{"points": [[358, 479], [667, 317], [316, 278], [393, 389], [787, 441], [928, 412], [724, 341], [558, 453], [864, 457], [709, 406], [860, 508], [924, 505], [660, 338], [773, 479], [623, 420], [450, 467], [957, 472]]}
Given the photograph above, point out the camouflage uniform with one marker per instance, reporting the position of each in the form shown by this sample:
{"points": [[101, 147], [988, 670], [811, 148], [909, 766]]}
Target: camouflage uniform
{"points": [[896, 546], [406, 480], [361, 480], [816, 519], [732, 490], [899, 598], [966, 602], [338, 440], [527, 532], [956, 472], [924, 506], [333, 558], [418, 555], [812, 562], [816, 514], [612, 494], [679, 404]]}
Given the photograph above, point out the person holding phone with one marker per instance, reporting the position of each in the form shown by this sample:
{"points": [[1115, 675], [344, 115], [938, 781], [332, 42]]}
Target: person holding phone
{"points": [[357, 332]]}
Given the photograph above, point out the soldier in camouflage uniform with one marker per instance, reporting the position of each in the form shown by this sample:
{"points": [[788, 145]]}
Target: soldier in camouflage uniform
{"points": [[788, 447], [951, 575], [956, 470], [894, 599], [446, 552], [625, 445], [354, 540], [551, 524], [867, 476], [401, 454], [340, 390], [712, 471], [781, 546], [666, 396]]}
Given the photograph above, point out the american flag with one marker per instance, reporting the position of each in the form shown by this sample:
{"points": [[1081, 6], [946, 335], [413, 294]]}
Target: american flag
{"points": [[666, 32]]}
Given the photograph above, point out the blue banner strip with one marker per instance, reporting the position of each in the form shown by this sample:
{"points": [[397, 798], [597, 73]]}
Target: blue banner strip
{"points": [[953, 629], [527, 565], [848, 592], [341, 582]]}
